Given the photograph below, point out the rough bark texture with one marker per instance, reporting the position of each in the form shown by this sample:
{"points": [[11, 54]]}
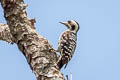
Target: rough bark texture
{"points": [[37, 50], [5, 34]]}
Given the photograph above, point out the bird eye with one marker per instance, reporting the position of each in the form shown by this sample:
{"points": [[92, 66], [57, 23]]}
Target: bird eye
{"points": [[73, 27], [69, 21]]}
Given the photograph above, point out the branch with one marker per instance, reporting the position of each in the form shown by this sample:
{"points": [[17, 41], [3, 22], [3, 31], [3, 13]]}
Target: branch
{"points": [[37, 50], [5, 34], [71, 76]]}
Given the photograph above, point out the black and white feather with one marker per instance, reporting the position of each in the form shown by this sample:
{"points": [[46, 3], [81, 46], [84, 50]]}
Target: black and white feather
{"points": [[67, 42]]}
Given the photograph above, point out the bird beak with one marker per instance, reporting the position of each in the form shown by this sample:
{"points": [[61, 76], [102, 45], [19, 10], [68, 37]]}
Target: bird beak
{"points": [[65, 23]]}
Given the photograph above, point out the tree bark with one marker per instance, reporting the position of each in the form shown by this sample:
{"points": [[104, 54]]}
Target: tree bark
{"points": [[20, 30], [5, 34]]}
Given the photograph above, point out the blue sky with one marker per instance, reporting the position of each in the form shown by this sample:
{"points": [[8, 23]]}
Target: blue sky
{"points": [[97, 56]]}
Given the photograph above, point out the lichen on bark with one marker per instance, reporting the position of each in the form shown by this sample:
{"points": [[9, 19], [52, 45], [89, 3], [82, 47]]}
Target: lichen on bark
{"points": [[39, 53]]}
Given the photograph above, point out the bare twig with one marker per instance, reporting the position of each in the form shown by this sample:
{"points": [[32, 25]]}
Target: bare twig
{"points": [[71, 76], [66, 77]]}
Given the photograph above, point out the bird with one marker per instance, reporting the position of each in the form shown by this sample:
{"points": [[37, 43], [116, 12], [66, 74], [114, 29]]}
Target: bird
{"points": [[67, 43]]}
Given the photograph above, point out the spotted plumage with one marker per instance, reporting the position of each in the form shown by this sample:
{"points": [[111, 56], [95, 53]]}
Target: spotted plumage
{"points": [[67, 42]]}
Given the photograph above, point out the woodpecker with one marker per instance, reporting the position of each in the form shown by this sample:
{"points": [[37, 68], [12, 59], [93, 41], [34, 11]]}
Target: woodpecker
{"points": [[67, 43]]}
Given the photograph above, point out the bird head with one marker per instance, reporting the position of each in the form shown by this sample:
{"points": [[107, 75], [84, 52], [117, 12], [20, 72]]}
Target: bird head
{"points": [[72, 25]]}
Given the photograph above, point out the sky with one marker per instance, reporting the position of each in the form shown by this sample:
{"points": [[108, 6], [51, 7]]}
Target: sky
{"points": [[97, 55]]}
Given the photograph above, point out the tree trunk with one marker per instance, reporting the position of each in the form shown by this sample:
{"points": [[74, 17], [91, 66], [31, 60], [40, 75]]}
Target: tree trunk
{"points": [[20, 30]]}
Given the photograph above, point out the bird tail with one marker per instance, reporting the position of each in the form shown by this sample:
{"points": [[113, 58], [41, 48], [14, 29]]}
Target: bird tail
{"points": [[60, 63]]}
